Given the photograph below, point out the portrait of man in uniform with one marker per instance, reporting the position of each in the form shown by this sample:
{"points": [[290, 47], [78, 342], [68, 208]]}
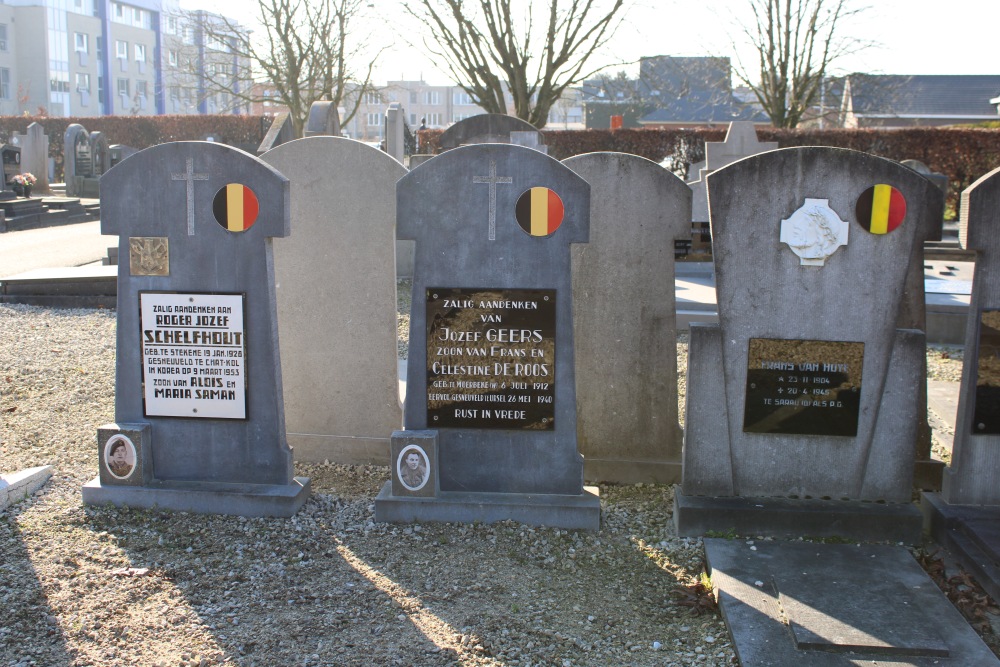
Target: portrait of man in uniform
{"points": [[120, 457], [412, 467]]}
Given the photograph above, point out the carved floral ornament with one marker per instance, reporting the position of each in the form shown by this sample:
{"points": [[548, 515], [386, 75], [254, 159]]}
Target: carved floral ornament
{"points": [[814, 232]]}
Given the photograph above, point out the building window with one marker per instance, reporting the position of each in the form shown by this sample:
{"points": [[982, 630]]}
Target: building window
{"points": [[119, 10], [4, 83], [172, 58], [432, 97], [171, 25], [462, 99], [413, 98], [140, 53], [175, 92], [374, 119], [81, 42], [3, 36], [121, 49], [123, 87], [373, 98], [82, 82], [140, 88], [433, 119]]}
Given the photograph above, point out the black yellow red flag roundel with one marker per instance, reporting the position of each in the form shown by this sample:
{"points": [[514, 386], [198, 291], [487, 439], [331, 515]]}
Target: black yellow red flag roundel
{"points": [[880, 209], [235, 207], [539, 211]]}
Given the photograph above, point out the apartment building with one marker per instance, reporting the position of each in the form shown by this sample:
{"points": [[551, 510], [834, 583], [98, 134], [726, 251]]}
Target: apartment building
{"points": [[103, 57]]}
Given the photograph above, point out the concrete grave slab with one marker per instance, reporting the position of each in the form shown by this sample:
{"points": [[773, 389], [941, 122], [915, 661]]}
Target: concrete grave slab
{"points": [[624, 318], [197, 341], [491, 360], [19, 485], [824, 605], [336, 291]]}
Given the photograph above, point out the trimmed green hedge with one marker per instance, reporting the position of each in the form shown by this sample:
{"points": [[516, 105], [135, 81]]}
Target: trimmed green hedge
{"points": [[144, 131]]}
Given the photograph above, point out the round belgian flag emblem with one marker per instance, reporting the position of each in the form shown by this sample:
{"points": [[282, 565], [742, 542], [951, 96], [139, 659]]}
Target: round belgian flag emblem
{"points": [[880, 209], [539, 211], [235, 207]]}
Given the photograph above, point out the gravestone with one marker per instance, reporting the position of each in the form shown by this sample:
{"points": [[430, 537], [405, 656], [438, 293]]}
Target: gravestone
{"points": [[99, 154], [76, 139], [199, 420], [487, 128], [965, 515], [280, 131], [324, 120], [801, 414], [623, 311], [490, 404], [10, 157], [395, 131], [34, 154], [340, 372], [119, 152]]}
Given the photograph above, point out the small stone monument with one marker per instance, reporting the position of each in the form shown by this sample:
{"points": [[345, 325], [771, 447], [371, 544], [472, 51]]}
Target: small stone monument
{"points": [[490, 412], [625, 323], [77, 162], [489, 128], [34, 154], [199, 419], [801, 413], [965, 515], [340, 372]]}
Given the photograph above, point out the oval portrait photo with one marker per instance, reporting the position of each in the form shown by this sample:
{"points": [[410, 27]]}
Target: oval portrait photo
{"points": [[119, 456], [412, 466]]}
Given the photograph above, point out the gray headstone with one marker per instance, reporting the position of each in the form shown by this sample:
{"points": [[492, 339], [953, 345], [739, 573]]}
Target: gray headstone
{"points": [[623, 309], [34, 154], [75, 137], [810, 299], [974, 475], [487, 128], [324, 120], [99, 154], [741, 141], [198, 360], [280, 132], [395, 131], [337, 300], [491, 358]]}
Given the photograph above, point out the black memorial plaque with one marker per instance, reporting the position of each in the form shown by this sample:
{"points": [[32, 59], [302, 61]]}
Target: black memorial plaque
{"points": [[805, 387], [491, 358], [986, 415]]}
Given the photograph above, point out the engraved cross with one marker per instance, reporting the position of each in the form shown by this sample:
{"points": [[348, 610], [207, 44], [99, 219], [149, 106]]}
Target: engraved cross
{"points": [[492, 180], [190, 177]]}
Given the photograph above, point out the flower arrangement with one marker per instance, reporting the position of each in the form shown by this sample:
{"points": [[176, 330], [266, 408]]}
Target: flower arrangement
{"points": [[25, 179]]}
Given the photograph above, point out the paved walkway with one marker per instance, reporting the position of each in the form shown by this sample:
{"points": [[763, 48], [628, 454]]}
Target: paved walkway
{"points": [[50, 247]]}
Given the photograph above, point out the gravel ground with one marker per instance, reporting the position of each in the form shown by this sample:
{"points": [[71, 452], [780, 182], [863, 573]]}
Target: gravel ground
{"points": [[101, 586]]}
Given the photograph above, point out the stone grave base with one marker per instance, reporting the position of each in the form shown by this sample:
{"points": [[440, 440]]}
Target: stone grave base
{"points": [[971, 533], [581, 512], [695, 516], [826, 605], [17, 486], [624, 471], [276, 500]]}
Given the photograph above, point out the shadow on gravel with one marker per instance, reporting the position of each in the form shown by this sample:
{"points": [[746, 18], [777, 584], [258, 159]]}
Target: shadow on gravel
{"points": [[29, 630]]}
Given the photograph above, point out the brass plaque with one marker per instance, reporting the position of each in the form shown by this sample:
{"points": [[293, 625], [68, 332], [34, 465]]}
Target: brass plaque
{"points": [[986, 414], [491, 358], [149, 255], [805, 387]]}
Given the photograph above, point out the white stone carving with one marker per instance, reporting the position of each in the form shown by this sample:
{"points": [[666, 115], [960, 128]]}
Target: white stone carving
{"points": [[814, 232]]}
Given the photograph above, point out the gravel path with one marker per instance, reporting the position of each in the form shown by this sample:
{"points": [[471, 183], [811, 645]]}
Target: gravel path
{"points": [[101, 586]]}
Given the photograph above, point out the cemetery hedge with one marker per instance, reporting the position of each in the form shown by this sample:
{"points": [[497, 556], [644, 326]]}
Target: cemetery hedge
{"points": [[144, 131], [964, 154]]}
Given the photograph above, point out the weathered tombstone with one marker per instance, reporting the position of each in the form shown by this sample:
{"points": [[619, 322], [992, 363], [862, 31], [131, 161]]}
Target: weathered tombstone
{"points": [[340, 372], [279, 132], [99, 154], [965, 515], [10, 156], [490, 411], [801, 413], [76, 157], [34, 154], [487, 128], [395, 131], [530, 139], [324, 120], [199, 421], [119, 152], [623, 310]]}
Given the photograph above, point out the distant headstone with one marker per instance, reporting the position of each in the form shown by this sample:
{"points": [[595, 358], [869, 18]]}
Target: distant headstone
{"points": [[340, 372], [34, 154], [800, 402], [395, 131], [199, 420], [490, 376], [935, 177], [76, 157], [279, 132], [119, 152], [487, 128], [324, 120], [99, 153], [10, 157], [623, 309]]}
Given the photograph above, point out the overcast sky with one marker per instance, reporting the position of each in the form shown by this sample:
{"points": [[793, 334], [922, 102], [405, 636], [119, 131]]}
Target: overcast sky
{"points": [[913, 36]]}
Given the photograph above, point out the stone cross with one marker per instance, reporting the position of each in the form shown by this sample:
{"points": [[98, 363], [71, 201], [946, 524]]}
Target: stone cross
{"points": [[492, 180], [190, 177]]}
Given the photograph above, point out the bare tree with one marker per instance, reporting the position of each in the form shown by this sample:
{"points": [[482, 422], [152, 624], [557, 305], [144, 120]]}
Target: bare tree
{"points": [[491, 49], [304, 54], [796, 41]]}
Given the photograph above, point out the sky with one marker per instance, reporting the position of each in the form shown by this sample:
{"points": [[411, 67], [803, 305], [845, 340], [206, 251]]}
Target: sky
{"points": [[909, 36]]}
